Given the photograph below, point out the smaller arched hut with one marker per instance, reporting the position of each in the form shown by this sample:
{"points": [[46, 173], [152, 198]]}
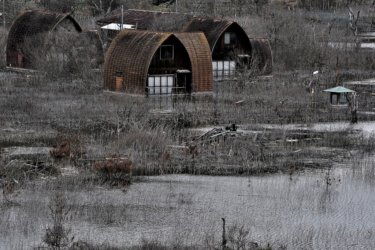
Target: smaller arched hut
{"points": [[158, 63], [28, 33], [229, 43]]}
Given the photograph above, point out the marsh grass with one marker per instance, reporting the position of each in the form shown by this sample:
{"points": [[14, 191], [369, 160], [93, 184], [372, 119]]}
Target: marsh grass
{"points": [[57, 235], [106, 124]]}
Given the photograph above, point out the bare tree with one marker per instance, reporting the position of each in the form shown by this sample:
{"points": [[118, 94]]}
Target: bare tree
{"points": [[353, 20], [11, 9], [58, 6], [99, 7]]}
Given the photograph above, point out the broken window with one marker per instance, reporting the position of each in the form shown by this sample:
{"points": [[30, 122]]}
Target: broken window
{"points": [[167, 52]]}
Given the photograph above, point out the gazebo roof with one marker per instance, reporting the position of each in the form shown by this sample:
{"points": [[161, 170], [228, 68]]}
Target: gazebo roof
{"points": [[339, 90]]}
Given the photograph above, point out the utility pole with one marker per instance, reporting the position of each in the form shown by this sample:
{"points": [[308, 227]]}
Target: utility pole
{"points": [[176, 6], [122, 17]]}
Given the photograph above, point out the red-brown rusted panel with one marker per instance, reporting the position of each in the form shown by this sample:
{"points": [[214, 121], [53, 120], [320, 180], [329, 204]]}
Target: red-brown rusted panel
{"points": [[199, 52], [129, 56]]}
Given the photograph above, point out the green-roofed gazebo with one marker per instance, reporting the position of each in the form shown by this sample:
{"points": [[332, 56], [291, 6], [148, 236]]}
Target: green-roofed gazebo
{"points": [[339, 95], [339, 90]]}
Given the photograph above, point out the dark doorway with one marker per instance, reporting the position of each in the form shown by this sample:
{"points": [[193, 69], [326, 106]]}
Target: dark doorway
{"points": [[183, 82]]}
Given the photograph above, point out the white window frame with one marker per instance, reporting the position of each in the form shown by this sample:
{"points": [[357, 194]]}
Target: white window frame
{"points": [[223, 69], [156, 87]]}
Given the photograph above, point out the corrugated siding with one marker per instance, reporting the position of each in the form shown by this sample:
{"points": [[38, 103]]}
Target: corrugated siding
{"points": [[199, 52], [131, 53], [213, 29]]}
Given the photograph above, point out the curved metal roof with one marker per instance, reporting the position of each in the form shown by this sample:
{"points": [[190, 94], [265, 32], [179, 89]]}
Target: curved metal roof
{"points": [[197, 46], [31, 23], [212, 28], [131, 53]]}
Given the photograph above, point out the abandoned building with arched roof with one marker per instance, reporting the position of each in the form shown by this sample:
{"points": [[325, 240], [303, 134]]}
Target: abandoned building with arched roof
{"points": [[34, 25], [229, 43], [158, 63], [40, 39]]}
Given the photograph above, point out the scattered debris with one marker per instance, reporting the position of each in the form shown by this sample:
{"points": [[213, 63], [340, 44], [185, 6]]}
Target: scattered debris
{"points": [[216, 133], [231, 127]]}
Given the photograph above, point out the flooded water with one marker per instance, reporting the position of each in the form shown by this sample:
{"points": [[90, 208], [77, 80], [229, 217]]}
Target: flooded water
{"points": [[320, 209], [311, 210], [366, 128]]}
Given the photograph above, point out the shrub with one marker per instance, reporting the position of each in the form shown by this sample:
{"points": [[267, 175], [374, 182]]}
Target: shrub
{"points": [[115, 171], [57, 236]]}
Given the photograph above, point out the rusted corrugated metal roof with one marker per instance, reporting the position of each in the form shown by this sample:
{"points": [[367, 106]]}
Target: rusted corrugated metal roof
{"points": [[212, 28], [262, 54], [199, 52], [131, 52], [31, 23]]}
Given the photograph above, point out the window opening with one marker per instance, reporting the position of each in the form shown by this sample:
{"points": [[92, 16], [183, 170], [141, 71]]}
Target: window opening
{"points": [[223, 69], [229, 38], [166, 52]]}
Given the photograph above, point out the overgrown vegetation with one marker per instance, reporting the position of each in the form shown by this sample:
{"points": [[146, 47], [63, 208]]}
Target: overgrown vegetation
{"points": [[57, 235]]}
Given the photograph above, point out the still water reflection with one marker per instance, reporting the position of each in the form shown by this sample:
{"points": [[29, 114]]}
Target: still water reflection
{"points": [[317, 209]]}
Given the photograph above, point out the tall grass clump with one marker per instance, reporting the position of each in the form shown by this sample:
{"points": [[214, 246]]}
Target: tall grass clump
{"points": [[57, 235]]}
